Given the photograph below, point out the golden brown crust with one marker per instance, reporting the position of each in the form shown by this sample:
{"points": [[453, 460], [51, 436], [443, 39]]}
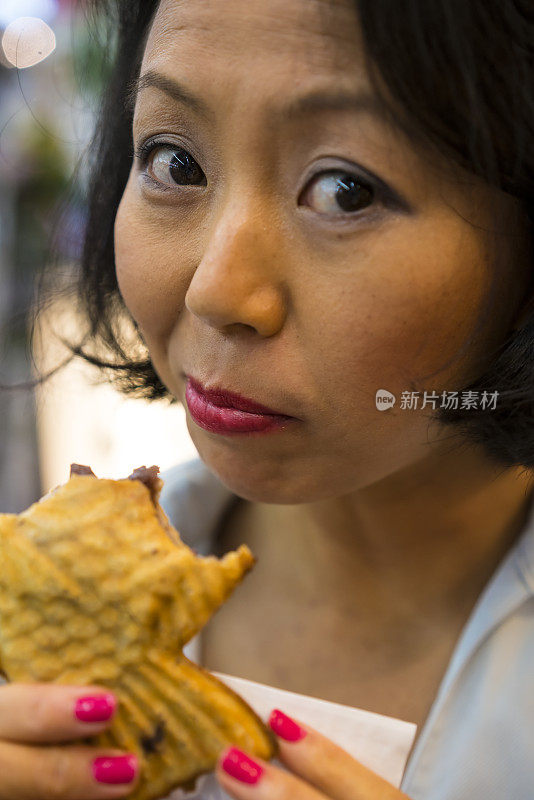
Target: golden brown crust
{"points": [[96, 587]]}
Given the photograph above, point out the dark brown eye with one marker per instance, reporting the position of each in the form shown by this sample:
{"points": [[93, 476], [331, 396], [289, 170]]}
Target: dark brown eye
{"points": [[335, 192], [175, 166]]}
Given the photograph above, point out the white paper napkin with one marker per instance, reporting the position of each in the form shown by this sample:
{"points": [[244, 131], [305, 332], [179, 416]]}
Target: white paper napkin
{"points": [[381, 743]]}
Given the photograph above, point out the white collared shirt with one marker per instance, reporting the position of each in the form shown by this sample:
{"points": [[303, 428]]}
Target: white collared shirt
{"points": [[478, 740]]}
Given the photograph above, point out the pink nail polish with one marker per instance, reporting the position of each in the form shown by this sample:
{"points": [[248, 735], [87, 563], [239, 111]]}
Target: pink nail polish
{"points": [[95, 708], [115, 769], [241, 767], [285, 727]]}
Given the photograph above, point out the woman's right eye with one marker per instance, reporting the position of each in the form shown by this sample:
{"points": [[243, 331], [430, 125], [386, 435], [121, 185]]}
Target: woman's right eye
{"points": [[171, 165]]}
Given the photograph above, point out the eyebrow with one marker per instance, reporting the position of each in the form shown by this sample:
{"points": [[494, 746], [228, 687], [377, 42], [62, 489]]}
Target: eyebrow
{"points": [[168, 85], [314, 102]]}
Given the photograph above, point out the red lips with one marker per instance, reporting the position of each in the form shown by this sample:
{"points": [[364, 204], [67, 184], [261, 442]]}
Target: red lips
{"points": [[223, 412]]}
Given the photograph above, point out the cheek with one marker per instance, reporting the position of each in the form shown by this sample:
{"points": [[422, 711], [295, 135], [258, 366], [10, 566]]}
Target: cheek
{"points": [[401, 314], [149, 270]]}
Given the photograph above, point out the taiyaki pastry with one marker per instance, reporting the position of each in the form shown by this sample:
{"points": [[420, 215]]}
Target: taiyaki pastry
{"points": [[96, 587]]}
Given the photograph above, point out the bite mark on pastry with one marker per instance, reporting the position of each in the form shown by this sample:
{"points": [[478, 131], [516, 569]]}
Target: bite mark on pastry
{"points": [[148, 476], [81, 469]]}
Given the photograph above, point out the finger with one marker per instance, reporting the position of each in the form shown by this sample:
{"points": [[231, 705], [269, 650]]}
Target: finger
{"points": [[323, 764], [47, 712], [245, 778], [65, 772]]}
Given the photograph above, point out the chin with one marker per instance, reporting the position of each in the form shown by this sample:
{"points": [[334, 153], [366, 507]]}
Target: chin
{"points": [[262, 481]]}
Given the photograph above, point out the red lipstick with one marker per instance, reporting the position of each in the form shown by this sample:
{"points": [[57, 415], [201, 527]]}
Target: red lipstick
{"points": [[222, 411]]}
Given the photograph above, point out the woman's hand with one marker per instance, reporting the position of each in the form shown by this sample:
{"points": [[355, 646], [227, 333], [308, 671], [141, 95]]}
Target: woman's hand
{"points": [[39, 758], [319, 770]]}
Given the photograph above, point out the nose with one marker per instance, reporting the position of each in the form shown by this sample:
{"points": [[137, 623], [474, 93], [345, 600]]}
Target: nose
{"points": [[238, 281]]}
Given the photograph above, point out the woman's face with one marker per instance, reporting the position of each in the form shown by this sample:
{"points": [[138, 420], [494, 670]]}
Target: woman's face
{"points": [[306, 255]]}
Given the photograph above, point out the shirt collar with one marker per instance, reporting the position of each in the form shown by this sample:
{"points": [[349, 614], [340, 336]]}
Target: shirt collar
{"points": [[511, 585]]}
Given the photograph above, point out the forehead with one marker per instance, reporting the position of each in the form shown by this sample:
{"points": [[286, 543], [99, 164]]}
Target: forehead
{"points": [[283, 37]]}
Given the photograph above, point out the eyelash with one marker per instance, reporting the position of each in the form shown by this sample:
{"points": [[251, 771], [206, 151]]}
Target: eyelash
{"points": [[382, 193], [142, 151]]}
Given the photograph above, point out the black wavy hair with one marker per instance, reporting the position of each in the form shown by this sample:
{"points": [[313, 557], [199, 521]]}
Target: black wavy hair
{"points": [[460, 73]]}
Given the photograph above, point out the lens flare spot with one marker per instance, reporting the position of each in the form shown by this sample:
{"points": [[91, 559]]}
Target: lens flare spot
{"points": [[27, 41]]}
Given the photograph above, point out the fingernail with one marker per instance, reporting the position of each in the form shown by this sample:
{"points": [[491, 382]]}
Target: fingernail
{"points": [[115, 769], [285, 727], [95, 708], [241, 767]]}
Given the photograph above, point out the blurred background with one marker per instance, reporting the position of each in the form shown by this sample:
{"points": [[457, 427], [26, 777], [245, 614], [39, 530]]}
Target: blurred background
{"points": [[51, 73]]}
